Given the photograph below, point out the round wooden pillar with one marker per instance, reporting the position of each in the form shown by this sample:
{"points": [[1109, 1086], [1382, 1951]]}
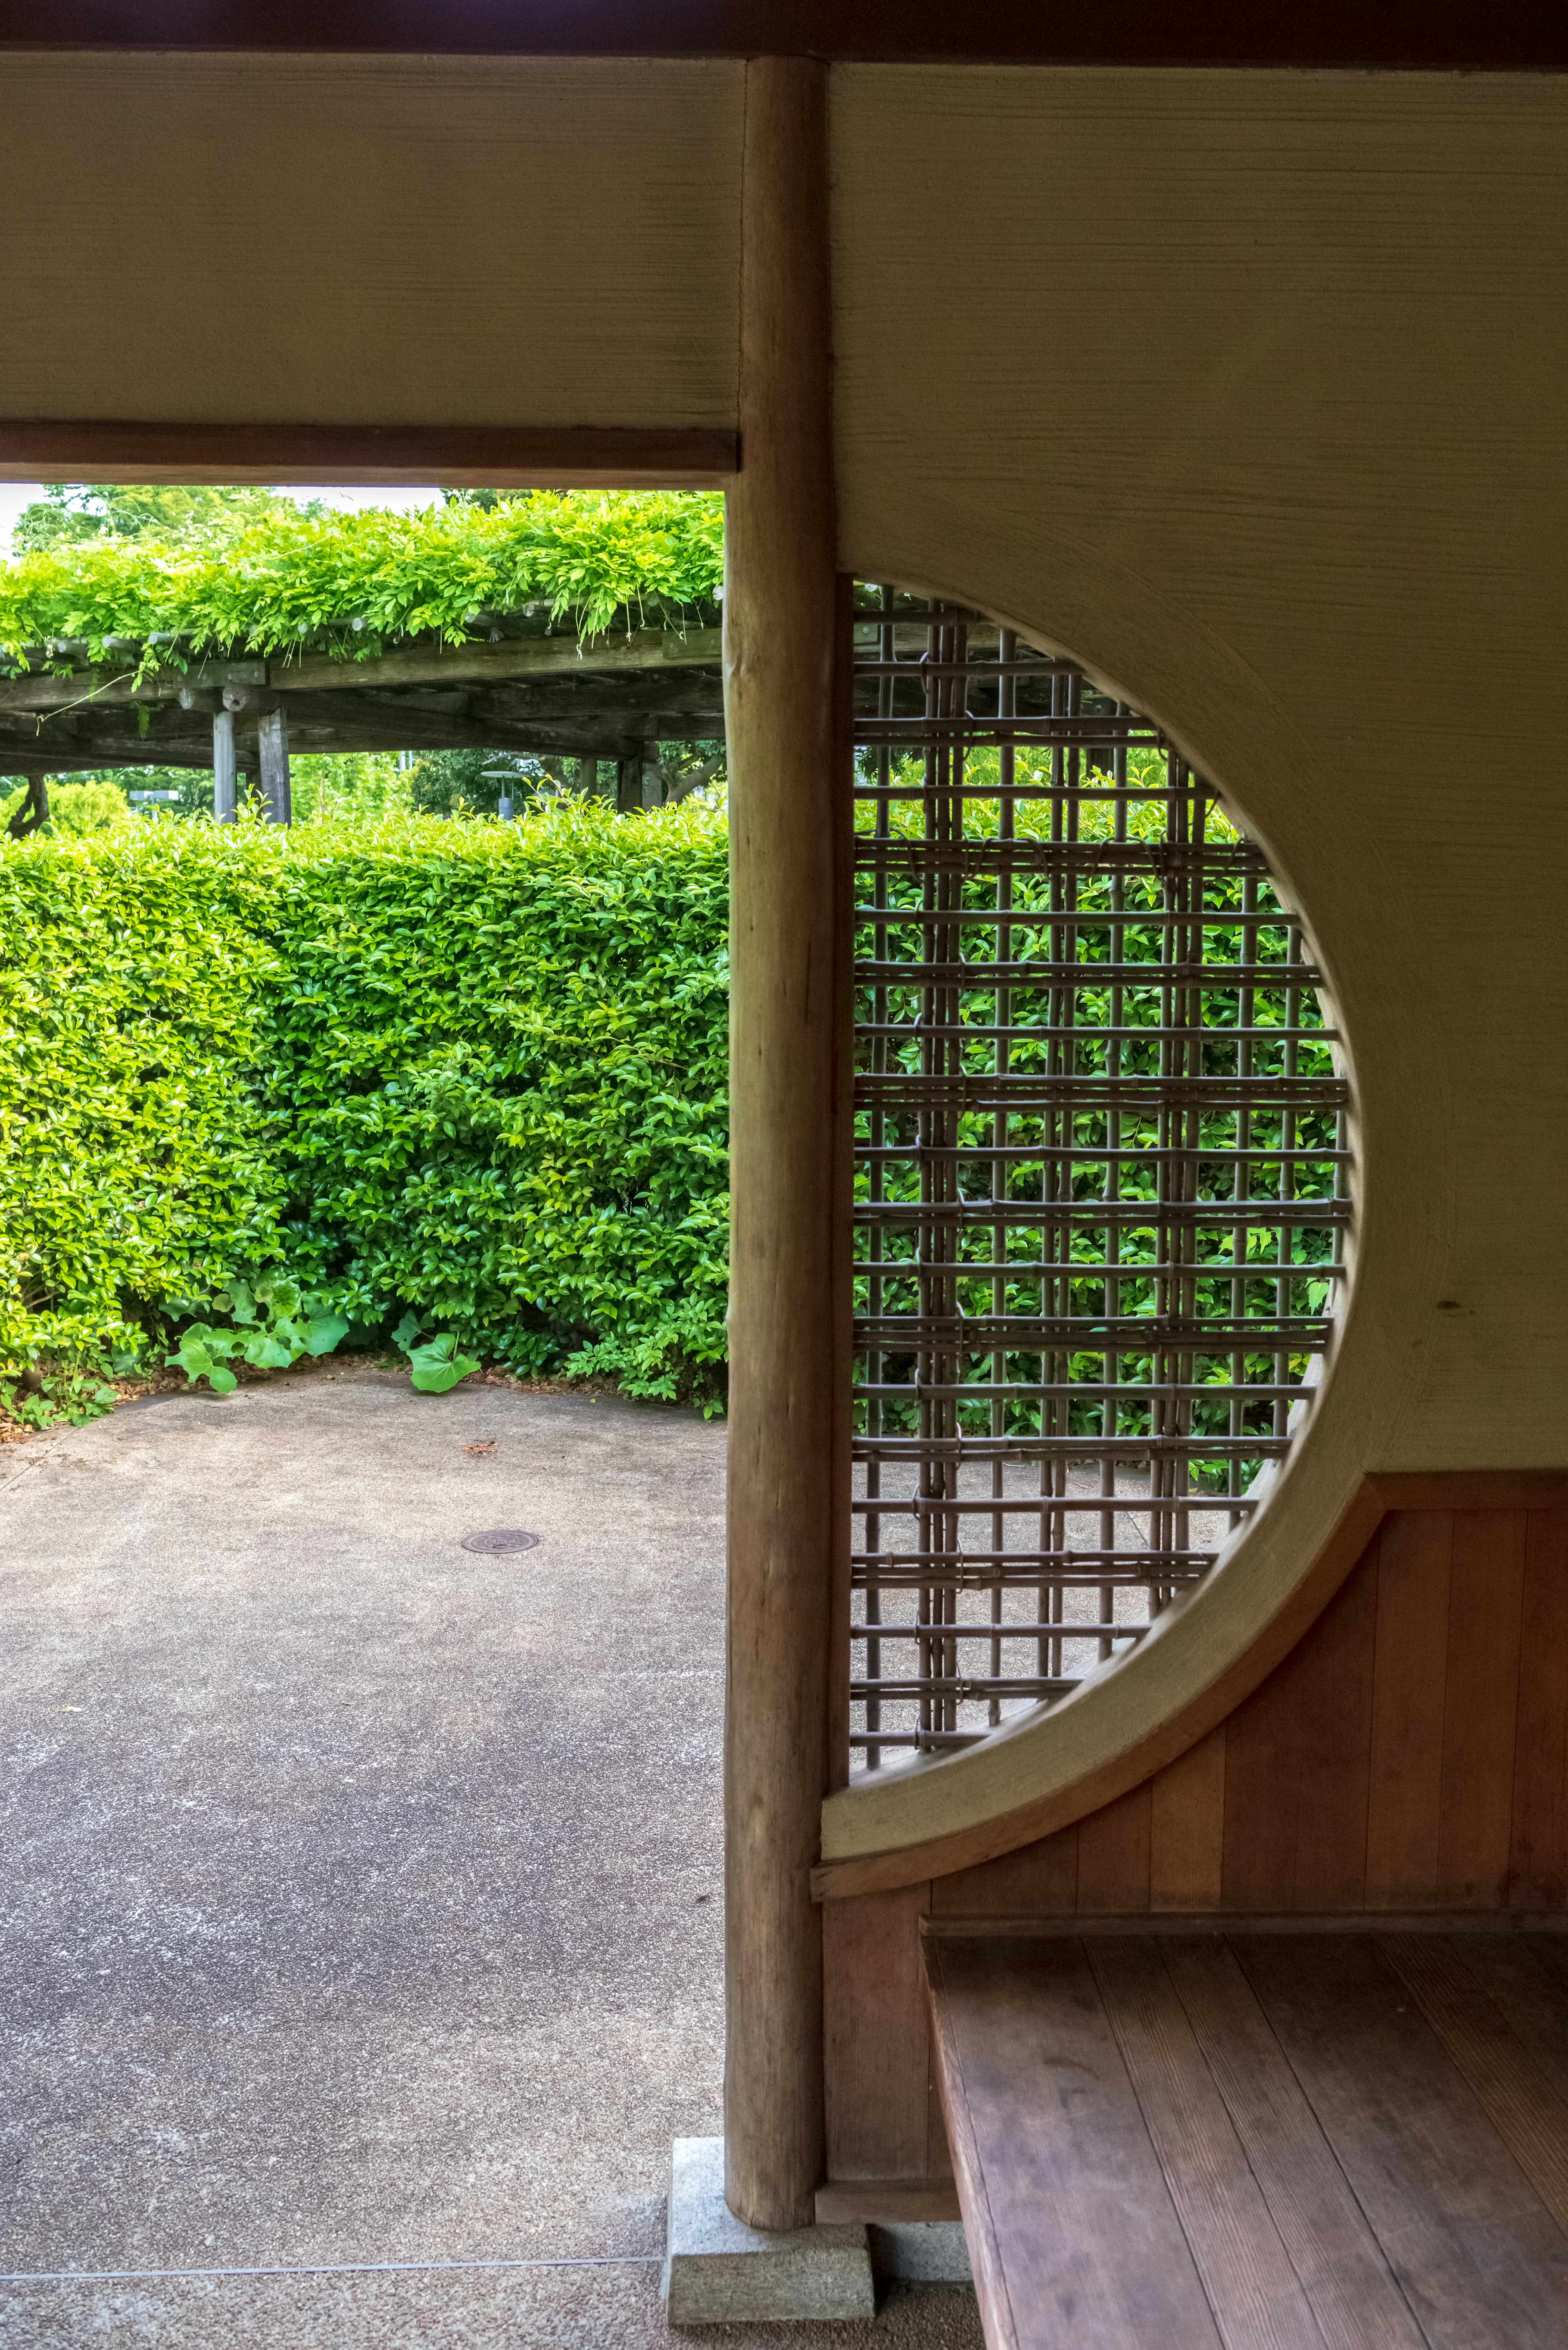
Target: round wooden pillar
{"points": [[786, 1380]]}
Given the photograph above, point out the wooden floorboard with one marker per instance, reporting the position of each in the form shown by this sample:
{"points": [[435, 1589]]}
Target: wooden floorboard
{"points": [[1356, 2298], [1257, 2298], [1073, 2236], [1274, 2141], [1520, 2083], [1481, 2259]]}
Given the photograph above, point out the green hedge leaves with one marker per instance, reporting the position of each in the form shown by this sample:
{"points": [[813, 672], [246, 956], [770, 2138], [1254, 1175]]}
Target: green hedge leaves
{"points": [[470, 1074]]}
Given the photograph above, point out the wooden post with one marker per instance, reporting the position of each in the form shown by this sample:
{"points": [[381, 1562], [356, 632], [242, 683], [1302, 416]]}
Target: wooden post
{"points": [[787, 1380], [272, 741], [223, 766], [588, 778], [628, 785]]}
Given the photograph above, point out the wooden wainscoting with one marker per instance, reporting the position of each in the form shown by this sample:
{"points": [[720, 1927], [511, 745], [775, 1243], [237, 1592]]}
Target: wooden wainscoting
{"points": [[1410, 1755]]}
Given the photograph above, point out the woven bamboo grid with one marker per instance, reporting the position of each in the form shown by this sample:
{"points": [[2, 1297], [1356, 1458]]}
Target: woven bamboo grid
{"points": [[1102, 1175]]}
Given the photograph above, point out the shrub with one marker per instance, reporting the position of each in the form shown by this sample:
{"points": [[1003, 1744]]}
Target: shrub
{"points": [[472, 1072]]}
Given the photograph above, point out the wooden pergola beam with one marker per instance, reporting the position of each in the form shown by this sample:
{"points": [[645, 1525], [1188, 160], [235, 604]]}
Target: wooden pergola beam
{"points": [[650, 653]]}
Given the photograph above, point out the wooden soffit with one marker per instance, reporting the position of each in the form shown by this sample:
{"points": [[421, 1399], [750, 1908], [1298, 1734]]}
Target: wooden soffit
{"points": [[1387, 34]]}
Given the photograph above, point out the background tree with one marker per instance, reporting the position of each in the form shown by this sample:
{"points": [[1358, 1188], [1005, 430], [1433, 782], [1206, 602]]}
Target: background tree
{"points": [[71, 511]]}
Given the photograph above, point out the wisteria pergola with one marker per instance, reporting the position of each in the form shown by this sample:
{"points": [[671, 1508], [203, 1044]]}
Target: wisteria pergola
{"points": [[520, 685]]}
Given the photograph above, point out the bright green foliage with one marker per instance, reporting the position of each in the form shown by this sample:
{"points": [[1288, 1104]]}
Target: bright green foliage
{"points": [[343, 787], [69, 512], [71, 1396], [436, 1366], [498, 1069], [133, 1164], [80, 806], [278, 1324], [268, 582], [470, 1074]]}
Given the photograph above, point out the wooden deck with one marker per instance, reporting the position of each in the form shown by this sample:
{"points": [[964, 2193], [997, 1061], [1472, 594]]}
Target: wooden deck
{"points": [[1264, 2140]]}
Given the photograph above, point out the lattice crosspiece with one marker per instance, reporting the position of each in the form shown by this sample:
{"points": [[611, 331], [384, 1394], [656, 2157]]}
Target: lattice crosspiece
{"points": [[1102, 1175]]}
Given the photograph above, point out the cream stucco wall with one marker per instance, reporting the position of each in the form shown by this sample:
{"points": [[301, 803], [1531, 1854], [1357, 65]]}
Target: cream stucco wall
{"points": [[1252, 392], [1248, 389], [368, 240]]}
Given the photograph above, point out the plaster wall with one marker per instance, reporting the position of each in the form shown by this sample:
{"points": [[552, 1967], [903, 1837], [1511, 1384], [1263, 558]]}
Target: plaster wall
{"points": [[368, 240], [1251, 390], [1248, 389]]}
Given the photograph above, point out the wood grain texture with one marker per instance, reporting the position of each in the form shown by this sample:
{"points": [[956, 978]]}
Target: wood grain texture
{"points": [[1354, 2297], [1298, 1758], [1247, 2273], [1049, 2144], [1478, 2256], [1187, 1828], [440, 241], [1485, 1607], [1114, 1854], [1409, 1686], [788, 1367], [1523, 2095], [1038, 1878], [1334, 35], [876, 2037], [1364, 2142], [842, 2201], [496, 456], [1538, 1862], [1324, 1791], [1053, 1771]]}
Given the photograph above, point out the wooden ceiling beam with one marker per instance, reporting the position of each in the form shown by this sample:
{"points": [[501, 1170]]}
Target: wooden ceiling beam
{"points": [[1442, 35], [455, 456]]}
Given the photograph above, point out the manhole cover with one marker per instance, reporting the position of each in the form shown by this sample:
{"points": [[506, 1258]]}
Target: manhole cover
{"points": [[501, 1538]]}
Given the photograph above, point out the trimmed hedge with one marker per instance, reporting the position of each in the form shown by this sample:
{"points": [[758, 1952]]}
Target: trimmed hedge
{"points": [[474, 1071]]}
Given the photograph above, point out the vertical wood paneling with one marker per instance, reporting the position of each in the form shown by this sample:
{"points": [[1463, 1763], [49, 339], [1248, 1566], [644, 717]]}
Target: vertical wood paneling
{"points": [[1262, 1790], [1298, 1762], [1114, 1855], [1039, 1879], [1411, 1752], [1333, 1746], [1187, 1828], [1414, 1555], [876, 2035], [1538, 1866], [1480, 1718]]}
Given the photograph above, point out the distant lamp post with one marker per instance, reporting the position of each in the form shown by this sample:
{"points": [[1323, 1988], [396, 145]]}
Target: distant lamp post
{"points": [[506, 775]]}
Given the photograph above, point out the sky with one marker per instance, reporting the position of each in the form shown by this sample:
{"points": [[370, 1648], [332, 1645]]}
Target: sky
{"points": [[15, 496]]}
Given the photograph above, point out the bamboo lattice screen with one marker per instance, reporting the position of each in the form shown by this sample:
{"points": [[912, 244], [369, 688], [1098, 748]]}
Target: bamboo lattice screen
{"points": [[1101, 1176]]}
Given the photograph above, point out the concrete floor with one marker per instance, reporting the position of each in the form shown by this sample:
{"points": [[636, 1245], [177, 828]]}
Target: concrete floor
{"points": [[361, 1904]]}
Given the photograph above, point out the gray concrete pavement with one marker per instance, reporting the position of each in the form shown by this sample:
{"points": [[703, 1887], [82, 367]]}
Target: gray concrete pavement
{"points": [[361, 1899]]}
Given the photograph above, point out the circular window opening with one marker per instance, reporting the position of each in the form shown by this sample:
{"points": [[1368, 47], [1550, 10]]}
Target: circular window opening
{"points": [[1102, 1177]]}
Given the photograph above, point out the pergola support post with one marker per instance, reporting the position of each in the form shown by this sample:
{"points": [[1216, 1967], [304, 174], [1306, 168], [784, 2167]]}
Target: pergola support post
{"points": [[223, 766], [271, 741], [788, 1367]]}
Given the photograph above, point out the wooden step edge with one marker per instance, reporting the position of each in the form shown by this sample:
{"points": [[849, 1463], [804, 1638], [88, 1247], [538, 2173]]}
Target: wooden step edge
{"points": [[956, 1926], [885, 2202], [974, 2203]]}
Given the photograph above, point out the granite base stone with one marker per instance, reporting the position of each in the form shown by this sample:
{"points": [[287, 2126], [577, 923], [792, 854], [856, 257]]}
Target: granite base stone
{"points": [[719, 2271]]}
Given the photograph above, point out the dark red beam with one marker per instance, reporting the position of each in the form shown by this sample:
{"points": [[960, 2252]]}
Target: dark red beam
{"points": [[1421, 34]]}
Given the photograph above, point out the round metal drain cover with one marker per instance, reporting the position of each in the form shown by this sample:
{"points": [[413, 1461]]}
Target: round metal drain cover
{"points": [[499, 1539]]}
